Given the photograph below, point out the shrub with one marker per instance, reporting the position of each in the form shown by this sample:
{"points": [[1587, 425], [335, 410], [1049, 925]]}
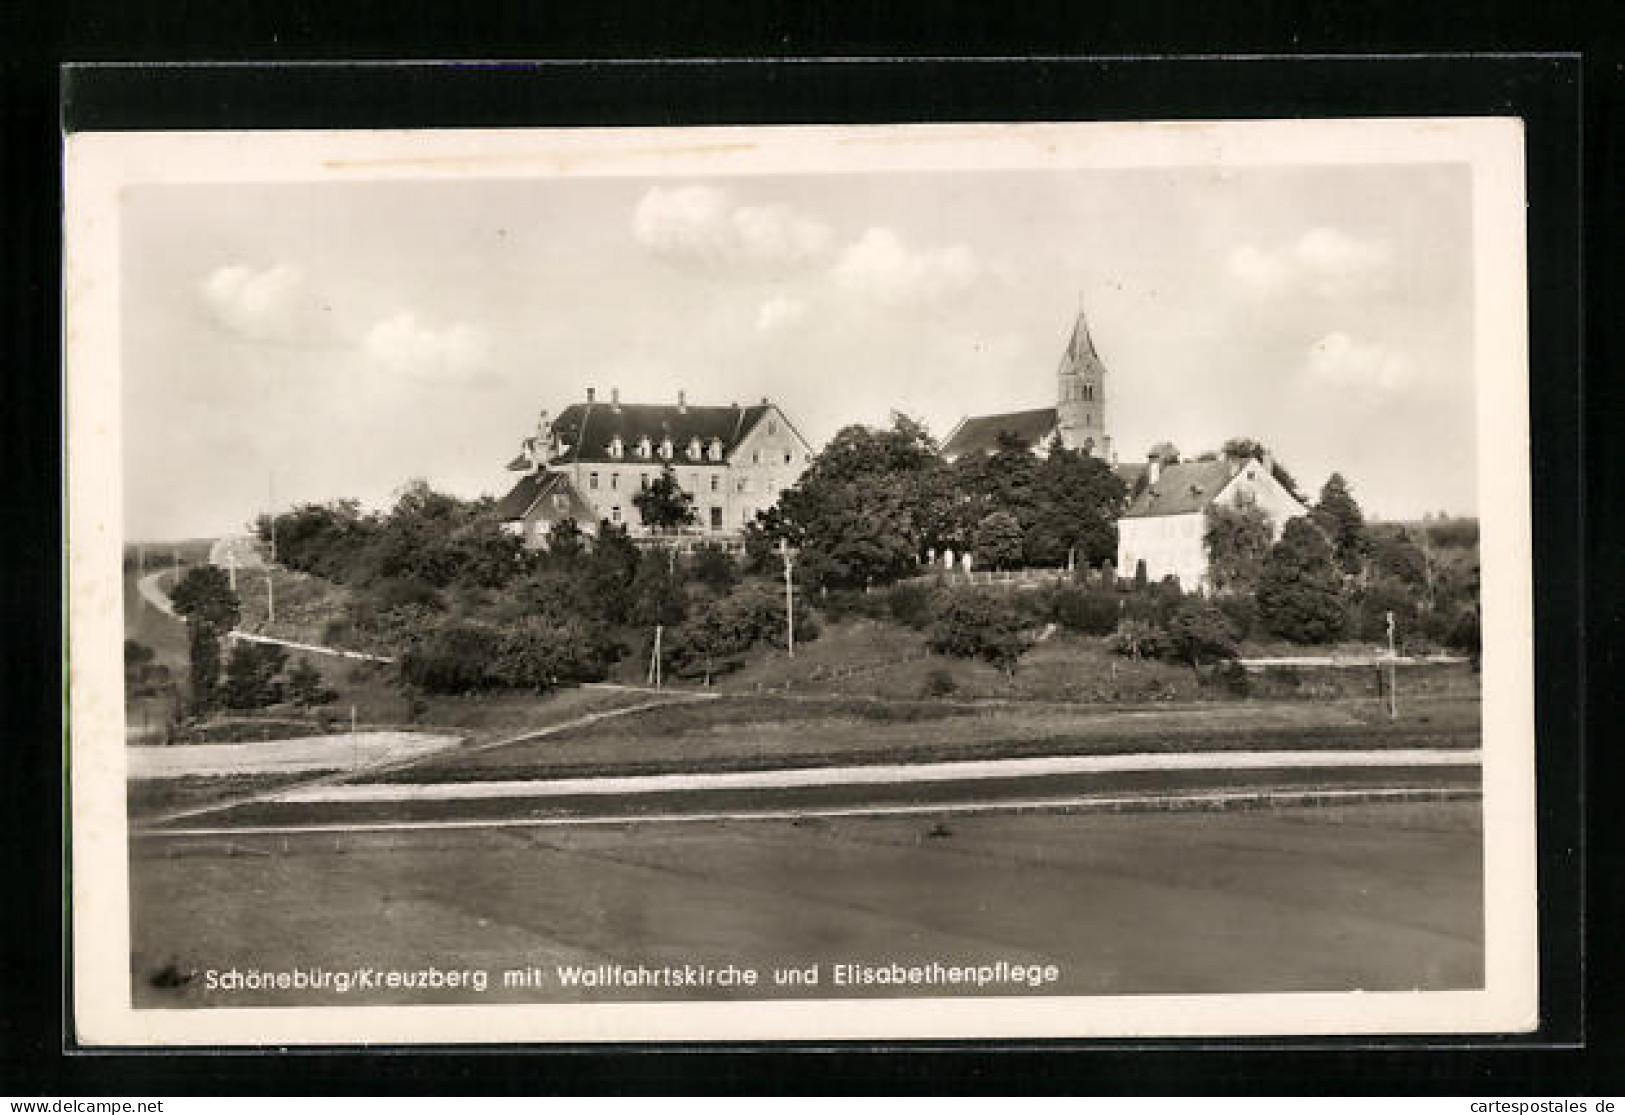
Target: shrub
{"points": [[1241, 611], [1088, 611], [541, 655], [939, 683], [714, 568], [1198, 631], [910, 604], [306, 686], [981, 626], [251, 675], [1135, 638], [394, 592], [454, 658]]}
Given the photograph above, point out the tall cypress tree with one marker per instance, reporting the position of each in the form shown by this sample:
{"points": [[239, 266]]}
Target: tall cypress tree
{"points": [[1340, 517]]}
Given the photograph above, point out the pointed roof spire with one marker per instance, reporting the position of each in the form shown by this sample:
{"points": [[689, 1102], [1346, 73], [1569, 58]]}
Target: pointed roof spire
{"points": [[1082, 345]]}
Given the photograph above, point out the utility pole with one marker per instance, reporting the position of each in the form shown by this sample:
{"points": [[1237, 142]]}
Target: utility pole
{"points": [[789, 598], [231, 569], [654, 659], [270, 598], [271, 494], [1393, 671]]}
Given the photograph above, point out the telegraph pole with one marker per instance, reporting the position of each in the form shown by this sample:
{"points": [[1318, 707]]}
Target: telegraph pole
{"points": [[789, 598], [1393, 671], [654, 659], [270, 598]]}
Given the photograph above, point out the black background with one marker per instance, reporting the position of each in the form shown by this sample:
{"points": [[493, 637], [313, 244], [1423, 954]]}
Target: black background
{"points": [[1568, 94]]}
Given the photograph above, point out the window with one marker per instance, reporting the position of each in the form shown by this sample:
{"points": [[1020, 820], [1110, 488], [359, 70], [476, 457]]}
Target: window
{"points": [[716, 518], [716, 449], [772, 427], [743, 485], [693, 448], [787, 456], [643, 448], [665, 448], [716, 482], [744, 514], [614, 514], [592, 481], [617, 448], [643, 481], [614, 481], [562, 503], [755, 456]]}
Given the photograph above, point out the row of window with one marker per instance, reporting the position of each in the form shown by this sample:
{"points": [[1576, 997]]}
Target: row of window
{"points": [[1080, 392], [742, 484], [746, 514]]}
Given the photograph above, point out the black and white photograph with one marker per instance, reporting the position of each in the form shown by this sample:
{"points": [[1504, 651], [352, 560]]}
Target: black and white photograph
{"points": [[1024, 580]]}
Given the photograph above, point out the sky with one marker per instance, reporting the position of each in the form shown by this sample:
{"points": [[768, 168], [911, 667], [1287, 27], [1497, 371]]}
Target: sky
{"points": [[288, 343]]}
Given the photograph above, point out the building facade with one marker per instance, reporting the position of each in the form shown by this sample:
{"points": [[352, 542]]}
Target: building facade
{"points": [[733, 460], [1166, 518]]}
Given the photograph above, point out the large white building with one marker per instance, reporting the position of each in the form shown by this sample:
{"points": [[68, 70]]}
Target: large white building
{"points": [[594, 458], [1165, 519]]}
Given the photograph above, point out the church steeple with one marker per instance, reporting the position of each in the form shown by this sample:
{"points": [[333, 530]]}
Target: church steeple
{"points": [[1080, 401]]}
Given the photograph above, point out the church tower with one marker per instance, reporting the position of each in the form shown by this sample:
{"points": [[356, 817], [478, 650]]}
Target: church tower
{"points": [[1080, 401]]}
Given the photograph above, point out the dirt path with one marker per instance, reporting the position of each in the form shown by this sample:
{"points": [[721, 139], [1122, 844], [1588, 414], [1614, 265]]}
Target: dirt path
{"points": [[879, 774]]}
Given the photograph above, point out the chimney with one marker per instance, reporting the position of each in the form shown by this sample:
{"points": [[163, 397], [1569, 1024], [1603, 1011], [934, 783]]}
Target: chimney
{"points": [[764, 400], [615, 397], [1153, 470], [682, 402], [591, 392]]}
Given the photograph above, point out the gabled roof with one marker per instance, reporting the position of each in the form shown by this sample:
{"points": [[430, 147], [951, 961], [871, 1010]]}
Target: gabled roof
{"points": [[539, 485], [1080, 357], [981, 434], [519, 463], [1182, 489], [586, 429]]}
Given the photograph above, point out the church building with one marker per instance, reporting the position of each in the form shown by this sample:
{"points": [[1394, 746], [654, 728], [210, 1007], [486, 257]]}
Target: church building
{"points": [[1078, 416], [590, 463]]}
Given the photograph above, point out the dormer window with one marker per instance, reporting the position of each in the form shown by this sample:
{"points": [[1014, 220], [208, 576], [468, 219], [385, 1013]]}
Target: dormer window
{"points": [[617, 448], [715, 451], [643, 447], [694, 449], [665, 448]]}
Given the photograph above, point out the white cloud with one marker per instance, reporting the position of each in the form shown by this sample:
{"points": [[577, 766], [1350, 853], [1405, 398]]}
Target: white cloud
{"points": [[881, 266], [1367, 372], [779, 312], [1323, 261], [403, 347], [267, 304], [701, 225]]}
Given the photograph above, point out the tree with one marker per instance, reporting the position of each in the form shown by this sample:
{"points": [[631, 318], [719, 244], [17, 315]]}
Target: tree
{"points": [[203, 598], [1165, 451], [980, 625], [664, 504], [611, 565], [853, 514], [1077, 500], [565, 543], [1340, 517], [204, 595], [997, 543], [1237, 538], [657, 595], [1244, 448], [1299, 595], [1199, 632], [714, 567], [251, 675], [306, 686], [1136, 639]]}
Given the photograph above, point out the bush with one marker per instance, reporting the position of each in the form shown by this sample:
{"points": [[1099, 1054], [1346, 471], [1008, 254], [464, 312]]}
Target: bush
{"points": [[980, 626], [542, 655], [306, 686], [910, 604], [454, 658], [1198, 631], [394, 592], [1087, 611], [1135, 638], [251, 675], [939, 683], [1241, 611], [714, 568]]}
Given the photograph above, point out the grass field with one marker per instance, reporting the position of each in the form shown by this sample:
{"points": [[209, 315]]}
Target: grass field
{"points": [[751, 732], [1371, 897]]}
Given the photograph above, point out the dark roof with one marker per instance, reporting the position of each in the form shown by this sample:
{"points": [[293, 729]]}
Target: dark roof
{"points": [[519, 463], [1130, 472], [981, 434], [586, 429], [531, 488], [1182, 488]]}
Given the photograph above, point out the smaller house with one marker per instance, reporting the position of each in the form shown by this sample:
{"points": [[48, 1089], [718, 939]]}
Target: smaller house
{"points": [[1165, 519], [537, 502]]}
